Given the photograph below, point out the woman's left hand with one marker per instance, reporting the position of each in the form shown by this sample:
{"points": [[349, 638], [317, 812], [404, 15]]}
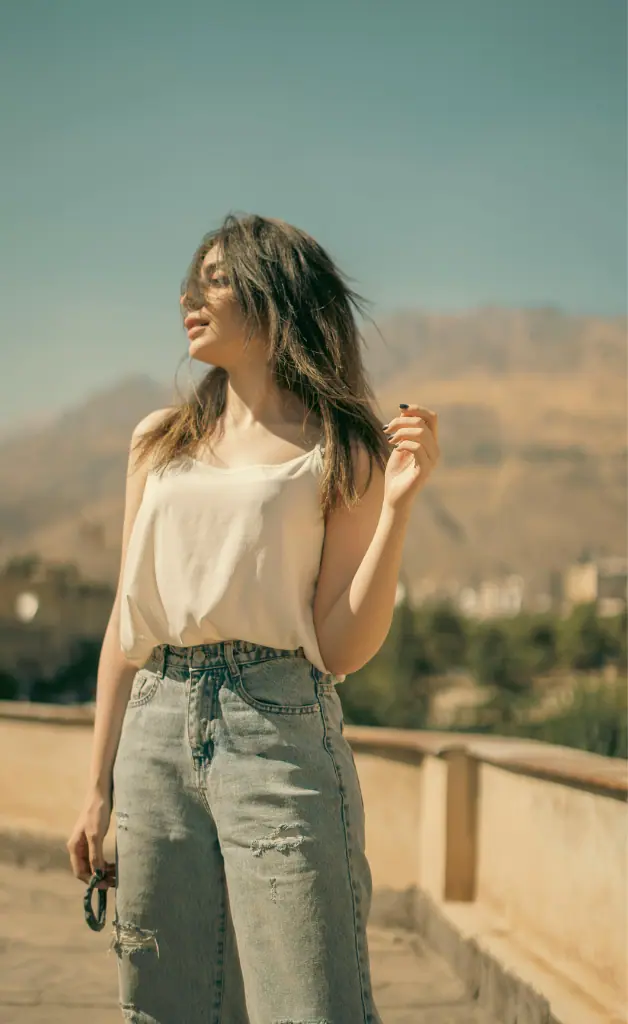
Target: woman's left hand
{"points": [[416, 453]]}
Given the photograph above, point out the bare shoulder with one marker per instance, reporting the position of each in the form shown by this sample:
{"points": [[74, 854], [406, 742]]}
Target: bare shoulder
{"points": [[369, 476], [369, 484], [139, 467], [153, 419], [137, 462], [136, 475]]}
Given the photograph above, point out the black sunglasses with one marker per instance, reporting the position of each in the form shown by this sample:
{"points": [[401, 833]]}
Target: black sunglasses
{"points": [[96, 923]]}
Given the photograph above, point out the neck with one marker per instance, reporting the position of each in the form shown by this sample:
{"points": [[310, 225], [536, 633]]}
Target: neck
{"points": [[253, 398]]}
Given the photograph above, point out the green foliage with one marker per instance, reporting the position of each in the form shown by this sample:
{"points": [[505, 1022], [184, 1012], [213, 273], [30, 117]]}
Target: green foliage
{"points": [[595, 720], [584, 641], [393, 688], [444, 637], [616, 628], [396, 687], [497, 660], [537, 636]]}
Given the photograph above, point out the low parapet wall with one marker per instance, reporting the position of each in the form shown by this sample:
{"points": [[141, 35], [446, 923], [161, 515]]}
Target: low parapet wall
{"points": [[511, 839], [515, 837]]}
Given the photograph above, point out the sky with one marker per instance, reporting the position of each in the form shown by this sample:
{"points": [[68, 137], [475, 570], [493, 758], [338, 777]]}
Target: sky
{"points": [[448, 154]]}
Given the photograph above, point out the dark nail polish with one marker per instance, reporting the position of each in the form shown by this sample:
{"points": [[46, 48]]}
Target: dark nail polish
{"points": [[388, 435], [384, 425], [402, 406]]}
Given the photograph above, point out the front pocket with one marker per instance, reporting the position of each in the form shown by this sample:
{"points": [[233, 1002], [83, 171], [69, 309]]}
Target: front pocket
{"points": [[283, 686], [143, 688]]}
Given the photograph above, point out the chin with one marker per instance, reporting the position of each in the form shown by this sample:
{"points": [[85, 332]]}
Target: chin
{"points": [[200, 345], [203, 352]]}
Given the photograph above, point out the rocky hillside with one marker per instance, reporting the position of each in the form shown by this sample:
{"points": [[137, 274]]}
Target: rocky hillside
{"points": [[532, 408]]}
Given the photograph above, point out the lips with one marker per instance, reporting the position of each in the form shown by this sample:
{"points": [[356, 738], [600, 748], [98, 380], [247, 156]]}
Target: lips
{"points": [[197, 330], [194, 325], [194, 320]]}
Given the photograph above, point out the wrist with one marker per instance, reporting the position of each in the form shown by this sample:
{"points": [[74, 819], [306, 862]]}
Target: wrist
{"points": [[100, 788], [397, 513]]}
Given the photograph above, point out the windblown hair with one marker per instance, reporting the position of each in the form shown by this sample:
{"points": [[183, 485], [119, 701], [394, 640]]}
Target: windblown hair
{"points": [[290, 291]]}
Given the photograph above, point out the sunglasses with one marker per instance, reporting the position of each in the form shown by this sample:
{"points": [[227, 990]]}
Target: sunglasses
{"points": [[96, 923]]}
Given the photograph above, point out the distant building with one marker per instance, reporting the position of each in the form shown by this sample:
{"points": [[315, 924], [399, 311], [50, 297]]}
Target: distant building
{"points": [[602, 580], [426, 591], [492, 598]]}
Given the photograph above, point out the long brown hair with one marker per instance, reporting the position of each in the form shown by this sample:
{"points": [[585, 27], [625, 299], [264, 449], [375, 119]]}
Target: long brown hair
{"points": [[288, 287]]}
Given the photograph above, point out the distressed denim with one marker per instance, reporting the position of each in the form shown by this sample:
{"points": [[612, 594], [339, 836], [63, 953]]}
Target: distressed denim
{"points": [[242, 885]]}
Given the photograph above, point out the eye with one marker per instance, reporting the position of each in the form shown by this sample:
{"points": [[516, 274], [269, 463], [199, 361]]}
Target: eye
{"points": [[215, 282]]}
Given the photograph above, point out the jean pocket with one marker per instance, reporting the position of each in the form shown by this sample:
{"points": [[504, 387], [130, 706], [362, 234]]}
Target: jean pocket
{"points": [[284, 686], [143, 688]]}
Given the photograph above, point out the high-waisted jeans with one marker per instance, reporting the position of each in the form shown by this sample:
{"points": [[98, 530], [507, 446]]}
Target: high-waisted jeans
{"points": [[242, 885]]}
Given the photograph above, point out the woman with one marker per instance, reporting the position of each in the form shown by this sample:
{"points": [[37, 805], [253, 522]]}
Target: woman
{"points": [[263, 531]]}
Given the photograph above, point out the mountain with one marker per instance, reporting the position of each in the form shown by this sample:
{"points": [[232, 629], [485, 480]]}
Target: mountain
{"points": [[62, 487], [532, 414]]}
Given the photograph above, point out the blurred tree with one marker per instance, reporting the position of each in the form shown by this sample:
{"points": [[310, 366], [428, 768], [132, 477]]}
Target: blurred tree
{"points": [[497, 661], [396, 687], [410, 690], [393, 689], [595, 720], [443, 634], [537, 636], [583, 641], [616, 628]]}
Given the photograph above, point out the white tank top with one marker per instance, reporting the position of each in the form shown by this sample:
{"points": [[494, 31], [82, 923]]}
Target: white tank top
{"points": [[223, 554]]}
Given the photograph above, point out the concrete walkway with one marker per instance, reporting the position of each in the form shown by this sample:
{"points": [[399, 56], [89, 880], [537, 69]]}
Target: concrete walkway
{"points": [[53, 970]]}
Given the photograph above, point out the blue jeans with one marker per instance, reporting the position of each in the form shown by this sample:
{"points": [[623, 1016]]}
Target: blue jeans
{"points": [[242, 886]]}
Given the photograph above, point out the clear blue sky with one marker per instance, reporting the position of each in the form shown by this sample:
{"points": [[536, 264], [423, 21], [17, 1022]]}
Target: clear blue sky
{"points": [[448, 153]]}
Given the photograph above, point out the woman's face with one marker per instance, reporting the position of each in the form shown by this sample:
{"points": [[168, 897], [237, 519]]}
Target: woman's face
{"points": [[216, 331]]}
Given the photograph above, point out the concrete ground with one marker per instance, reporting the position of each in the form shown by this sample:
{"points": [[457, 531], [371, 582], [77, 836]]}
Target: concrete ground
{"points": [[53, 970]]}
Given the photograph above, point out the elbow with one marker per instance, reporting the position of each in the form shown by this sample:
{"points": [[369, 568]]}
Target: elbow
{"points": [[344, 662], [341, 659], [343, 666]]}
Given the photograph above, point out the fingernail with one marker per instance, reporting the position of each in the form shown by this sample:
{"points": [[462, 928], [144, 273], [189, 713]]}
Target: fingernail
{"points": [[384, 425], [403, 406]]}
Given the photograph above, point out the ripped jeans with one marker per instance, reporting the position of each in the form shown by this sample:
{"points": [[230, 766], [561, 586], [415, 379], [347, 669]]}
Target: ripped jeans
{"points": [[242, 885]]}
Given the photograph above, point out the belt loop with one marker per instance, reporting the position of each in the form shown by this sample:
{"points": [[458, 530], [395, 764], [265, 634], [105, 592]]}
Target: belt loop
{"points": [[164, 660], [230, 659]]}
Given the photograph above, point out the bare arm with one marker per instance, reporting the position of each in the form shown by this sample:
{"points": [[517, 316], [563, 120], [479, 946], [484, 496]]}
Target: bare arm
{"points": [[113, 685], [115, 671], [357, 584], [355, 595]]}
